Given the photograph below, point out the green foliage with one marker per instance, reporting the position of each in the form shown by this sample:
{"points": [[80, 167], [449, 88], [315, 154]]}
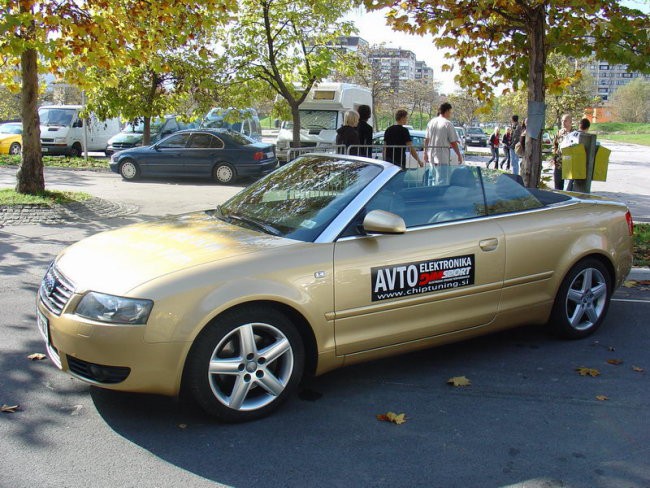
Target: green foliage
{"points": [[642, 244], [9, 197], [632, 101], [59, 162]]}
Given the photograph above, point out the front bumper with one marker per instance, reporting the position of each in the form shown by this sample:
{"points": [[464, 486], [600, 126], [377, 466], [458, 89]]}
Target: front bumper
{"points": [[110, 356]]}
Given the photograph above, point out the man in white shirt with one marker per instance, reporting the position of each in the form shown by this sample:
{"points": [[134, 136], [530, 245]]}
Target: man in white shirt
{"points": [[440, 138]]}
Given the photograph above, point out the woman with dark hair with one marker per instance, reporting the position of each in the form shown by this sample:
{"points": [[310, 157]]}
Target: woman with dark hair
{"points": [[365, 131]]}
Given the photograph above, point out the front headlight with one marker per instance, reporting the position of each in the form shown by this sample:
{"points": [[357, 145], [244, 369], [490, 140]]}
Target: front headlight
{"points": [[114, 310], [59, 140]]}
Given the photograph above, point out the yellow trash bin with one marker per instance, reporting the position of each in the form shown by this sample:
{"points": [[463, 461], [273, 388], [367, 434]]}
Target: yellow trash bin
{"points": [[601, 164], [574, 162]]}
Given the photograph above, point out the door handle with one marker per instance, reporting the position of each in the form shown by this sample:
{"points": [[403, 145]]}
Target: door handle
{"points": [[489, 244]]}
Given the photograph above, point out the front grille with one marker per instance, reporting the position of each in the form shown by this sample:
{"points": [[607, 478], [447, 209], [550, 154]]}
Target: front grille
{"points": [[123, 145], [47, 140], [97, 372], [55, 291]]}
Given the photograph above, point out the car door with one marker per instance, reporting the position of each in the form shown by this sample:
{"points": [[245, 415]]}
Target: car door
{"points": [[199, 156], [165, 158], [434, 279]]}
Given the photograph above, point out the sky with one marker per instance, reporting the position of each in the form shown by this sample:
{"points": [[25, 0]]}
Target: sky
{"points": [[372, 27]]}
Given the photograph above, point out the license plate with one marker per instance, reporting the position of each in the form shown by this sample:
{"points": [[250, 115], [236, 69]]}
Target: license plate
{"points": [[269, 154], [43, 326], [45, 149]]}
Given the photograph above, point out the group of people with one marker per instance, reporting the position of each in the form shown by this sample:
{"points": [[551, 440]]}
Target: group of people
{"points": [[566, 136], [515, 134], [441, 138]]}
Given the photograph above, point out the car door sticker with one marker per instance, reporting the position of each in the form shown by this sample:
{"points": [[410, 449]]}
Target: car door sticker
{"points": [[403, 280]]}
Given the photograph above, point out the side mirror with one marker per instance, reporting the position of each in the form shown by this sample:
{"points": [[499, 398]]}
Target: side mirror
{"points": [[382, 222], [78, 123]]}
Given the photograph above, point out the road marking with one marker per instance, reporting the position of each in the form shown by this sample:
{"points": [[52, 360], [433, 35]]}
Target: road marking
{"points": [[629, 300]]}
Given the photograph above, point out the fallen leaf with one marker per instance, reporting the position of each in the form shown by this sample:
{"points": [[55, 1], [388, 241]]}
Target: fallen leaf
{"points": [[611, 349], [582, 371], [392, 417], [638, 369], [459, 381], [615, 362], [629, 283], [602, 398], [182, 426], [37, 356], [9, 409]]}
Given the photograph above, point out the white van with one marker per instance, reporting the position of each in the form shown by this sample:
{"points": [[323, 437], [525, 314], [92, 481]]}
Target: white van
{"points": [[62, 130], [244, 120], [321, 114]]}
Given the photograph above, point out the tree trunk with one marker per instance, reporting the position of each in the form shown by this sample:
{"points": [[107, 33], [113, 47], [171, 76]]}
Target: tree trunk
{"points": [[146, 131], [29, 179], [295, 117], [531, 168]]}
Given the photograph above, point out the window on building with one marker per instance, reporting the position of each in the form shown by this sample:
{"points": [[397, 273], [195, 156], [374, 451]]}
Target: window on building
{"points": [[603, 67]]}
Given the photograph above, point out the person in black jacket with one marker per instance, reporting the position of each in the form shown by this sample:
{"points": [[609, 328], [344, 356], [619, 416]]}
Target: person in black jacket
{"points": [[347, 134], [365, 131]]}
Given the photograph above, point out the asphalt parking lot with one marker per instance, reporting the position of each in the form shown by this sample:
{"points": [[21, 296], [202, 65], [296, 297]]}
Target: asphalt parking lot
{"points": [[528, 419]]}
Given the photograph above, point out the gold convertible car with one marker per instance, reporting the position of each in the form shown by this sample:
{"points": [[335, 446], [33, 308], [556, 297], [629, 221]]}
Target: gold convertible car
{"points": [[327, 261]]}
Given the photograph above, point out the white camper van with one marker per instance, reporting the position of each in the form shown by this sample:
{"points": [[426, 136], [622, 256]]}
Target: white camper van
{"points": [[62, 130], [321, 114]]}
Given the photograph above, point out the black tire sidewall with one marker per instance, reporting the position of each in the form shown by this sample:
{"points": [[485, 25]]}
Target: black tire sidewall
{"points": [[13, 145], [196, 375], [75, 151], [559, 322]]}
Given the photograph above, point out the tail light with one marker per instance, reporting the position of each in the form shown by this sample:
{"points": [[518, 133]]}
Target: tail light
{"points": [[259, 155], [630, 223]]}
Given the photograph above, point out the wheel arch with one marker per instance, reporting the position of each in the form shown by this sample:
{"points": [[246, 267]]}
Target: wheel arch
{"points": [[298, 319]]}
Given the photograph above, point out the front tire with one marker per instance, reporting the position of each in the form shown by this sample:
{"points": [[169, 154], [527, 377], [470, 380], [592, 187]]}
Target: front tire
{"points": [[224, 173], [245, 364], [14, 148], [582, 300], [75, 150], [129, 169]]}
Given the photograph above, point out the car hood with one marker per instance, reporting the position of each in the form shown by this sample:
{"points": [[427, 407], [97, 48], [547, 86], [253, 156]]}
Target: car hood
{"points": [[128, 137], [119, 260], [5, 137]]}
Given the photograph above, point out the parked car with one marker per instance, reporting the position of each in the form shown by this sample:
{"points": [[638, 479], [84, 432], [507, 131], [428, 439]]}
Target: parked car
{"points": [[328, 261], [417, 138], [133, 132], [244, 121], [217, 153], [11, 138], [461, 137], [476, 137], [547, 143]]}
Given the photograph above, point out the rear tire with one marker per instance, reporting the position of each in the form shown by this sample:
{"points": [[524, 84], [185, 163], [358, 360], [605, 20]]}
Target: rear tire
{"points": [[245, 364], [129, 169], [224, 173], [14, 148], [582, 301]]}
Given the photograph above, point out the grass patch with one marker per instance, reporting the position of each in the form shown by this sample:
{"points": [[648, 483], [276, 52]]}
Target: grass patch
{"points": [[59, 162], [620, 128], [642, 139], [641, 244], [10, 197]]}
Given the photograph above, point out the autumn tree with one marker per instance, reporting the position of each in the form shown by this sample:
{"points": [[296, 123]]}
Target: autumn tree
{"points": [[632, 101], [289, 45], [465, 106], [508, 41], [66, 36]]}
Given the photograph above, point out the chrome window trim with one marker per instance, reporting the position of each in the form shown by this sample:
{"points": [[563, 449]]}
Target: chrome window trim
{"points": [[573, 201], [334, 229]]}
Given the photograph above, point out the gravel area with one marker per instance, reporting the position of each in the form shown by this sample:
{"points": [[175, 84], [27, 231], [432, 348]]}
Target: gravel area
{"points": [[89, 210]]}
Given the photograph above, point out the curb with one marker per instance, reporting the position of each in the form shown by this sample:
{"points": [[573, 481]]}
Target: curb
{"points": [[638, 273]]}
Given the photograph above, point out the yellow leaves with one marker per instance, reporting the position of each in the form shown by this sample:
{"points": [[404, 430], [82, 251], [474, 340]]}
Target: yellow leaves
{"points": [[392, 417], [459, 381], [37, 356], [637, 369], [583, 371], [602, 398], [9, 408], [636, 283], [615, 362]]}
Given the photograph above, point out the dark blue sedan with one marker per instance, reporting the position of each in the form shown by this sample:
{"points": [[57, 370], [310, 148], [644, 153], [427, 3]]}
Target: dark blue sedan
{"points": [[215, 153]]}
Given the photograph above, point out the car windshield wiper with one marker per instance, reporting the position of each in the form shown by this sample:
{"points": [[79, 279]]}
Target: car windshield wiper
{"points": [[263, 226]]}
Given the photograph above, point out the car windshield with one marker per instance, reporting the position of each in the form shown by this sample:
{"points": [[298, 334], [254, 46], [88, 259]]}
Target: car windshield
{"points": [[56, 116], [315, 119], [475, 131], [301, 199], [11, 129], [137, 126]]}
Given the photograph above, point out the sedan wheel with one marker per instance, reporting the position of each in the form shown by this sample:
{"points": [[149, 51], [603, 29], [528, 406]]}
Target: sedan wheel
{"points": [[583, 299], [245, 364], [129, 170], [224, 173], [14, 148]]}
